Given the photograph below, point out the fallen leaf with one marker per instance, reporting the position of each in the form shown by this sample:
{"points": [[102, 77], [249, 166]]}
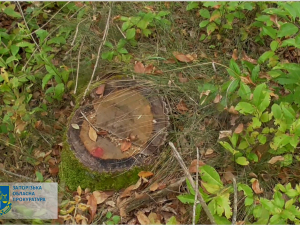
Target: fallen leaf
{"points": [[92, 202], [127, 191], [38, 124], [182, 106], [20, 125], [75, 126], [93, 134], [97, 152], [182, 79], [139, 67], [218, 98], [53, 170], [252, 175], [273, 18], [206, 93], [247, 80], [154, 186], [193, 166], [228, 176], [144, 174], [239, 129], [153, 218], [111, 203], [225, 133], [233, 118], [170, 61], [181, 57], [192, 57], [125, 146], [100, 90], [142, 218], [101, 196], [149, 69], [248, 59], [232, 110], [158, 71], [79, 190], [256, 188], [209, 151], [276, 159]]}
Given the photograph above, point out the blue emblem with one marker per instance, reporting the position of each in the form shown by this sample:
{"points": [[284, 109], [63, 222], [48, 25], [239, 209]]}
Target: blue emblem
{"points": [[5, 205]]}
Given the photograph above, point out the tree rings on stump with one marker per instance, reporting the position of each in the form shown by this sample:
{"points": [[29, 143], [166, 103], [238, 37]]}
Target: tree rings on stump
{"points": [[120, 126]]}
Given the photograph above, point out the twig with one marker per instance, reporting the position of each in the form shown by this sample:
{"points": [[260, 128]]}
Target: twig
{"points": [[78, 65], [196, 193], [234, 201], [21, 11], [14, 174], [98, 55], [121, 31], [89, 122], [76, 32], [188, 175], [51, 18]]}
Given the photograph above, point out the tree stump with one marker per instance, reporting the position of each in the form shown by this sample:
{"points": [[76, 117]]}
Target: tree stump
{"points": [[113, 135]]}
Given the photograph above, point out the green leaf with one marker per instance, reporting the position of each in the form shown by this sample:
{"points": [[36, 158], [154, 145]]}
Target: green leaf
{"points": [[57, 40], [130, 33], [203, 23], [211, 28], [247, 190], [274, 45], [172, 220], [234, 66], [255, 73], [276, 110], [245, 108], [244, 91], [146, 32], [163, 13], [14, 49], [224, 205], [287, 29], [292, 11], [202, 37], [109, 44], [210, 175], [42, 34], [270, 31], [122, 51], [261, 97], [107, 55], [262, 139], [242, 161], [256, 123], [46, 79], [125, 26], [11, 12], [58, 91], [265, 56], [278, 199], [2, 63], [108, 215], [116, 219], [11, 59], [142, 24], [211, 188], [288, 42], [267, 204], [192, 5], [204, 13], [228, 147], [243, 145], [39, 176]]}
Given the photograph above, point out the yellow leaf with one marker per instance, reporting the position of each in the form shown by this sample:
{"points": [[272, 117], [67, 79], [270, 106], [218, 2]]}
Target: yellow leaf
{"points": [[93, 134]]}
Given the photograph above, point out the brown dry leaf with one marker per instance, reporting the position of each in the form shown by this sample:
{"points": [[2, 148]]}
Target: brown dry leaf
{"points": [[256, 188], [79, 190], [218, 98], [144, 174], [123, 212], [248, 59], [181, 57], [276, 159], [235, 54], [127, 191], [125, 146], [77, 198], [193, 166], [225, 133], [247, 80], [149, 69], [170, 61], [273, 18], [182, 79], [182, 106], [38, 125], [192, 57], [206, 93], [20, 126], [232, 110], [252, 175], [239, 129], [274, 95], [139, 67], [209, 152], [154, 186], [158, 71], [92, 202], [240, 222], [75, 126], [233, 118], [228, 176], [100, 90], [101, 196], [111, 203], [53, 170], [142, 218], [93, 134], [154, 218]]}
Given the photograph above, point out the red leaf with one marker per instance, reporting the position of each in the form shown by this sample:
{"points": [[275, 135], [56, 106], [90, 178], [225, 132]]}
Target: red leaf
{"points": [[100, 89], [92, 202], [97, 152], [125, 146], [139, 67]]}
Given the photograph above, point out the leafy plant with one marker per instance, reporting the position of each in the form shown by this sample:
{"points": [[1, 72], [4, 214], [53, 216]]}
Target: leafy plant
{"points": [[112, 219]]}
